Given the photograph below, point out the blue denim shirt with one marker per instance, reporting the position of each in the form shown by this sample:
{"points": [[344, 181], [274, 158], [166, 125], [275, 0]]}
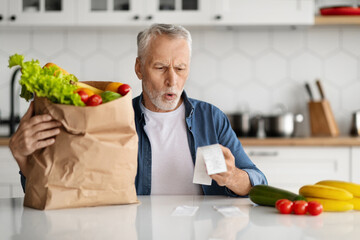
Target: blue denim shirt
{"points": [[206, 125]]}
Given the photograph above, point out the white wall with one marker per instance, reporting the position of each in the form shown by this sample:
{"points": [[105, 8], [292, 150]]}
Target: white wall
{"points": [[235, 69]]}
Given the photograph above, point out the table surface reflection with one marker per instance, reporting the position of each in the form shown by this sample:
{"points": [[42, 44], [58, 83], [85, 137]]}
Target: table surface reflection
{"points": [[152, 219]]}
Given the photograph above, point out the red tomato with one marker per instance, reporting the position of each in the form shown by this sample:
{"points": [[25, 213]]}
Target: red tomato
{"points": [[300, 207], [84, 96], [94, 100], [284, 206], [123, 89], [314, 208]]}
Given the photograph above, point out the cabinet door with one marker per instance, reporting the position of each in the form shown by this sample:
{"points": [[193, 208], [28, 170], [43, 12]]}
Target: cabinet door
{"points": [[185, 12], [264, 12], [9, 173], [3, 12], [110, 12], [41, 12], [355, 164], [292, 167]]}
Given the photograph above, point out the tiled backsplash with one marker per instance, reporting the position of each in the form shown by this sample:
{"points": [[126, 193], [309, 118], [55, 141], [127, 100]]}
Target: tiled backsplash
{"points": [[236, 69]]}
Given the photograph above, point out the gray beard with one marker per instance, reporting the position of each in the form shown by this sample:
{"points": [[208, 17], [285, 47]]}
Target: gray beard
{"points": [[156, 98]]}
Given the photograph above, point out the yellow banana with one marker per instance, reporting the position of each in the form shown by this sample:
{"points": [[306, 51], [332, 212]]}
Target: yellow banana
{"points": [[330, 205], [349, 186], [356, 202], [322, 191], [84, 85]]}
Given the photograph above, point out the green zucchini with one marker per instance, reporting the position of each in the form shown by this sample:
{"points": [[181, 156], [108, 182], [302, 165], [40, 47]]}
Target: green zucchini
{"points": [[267, 195]]}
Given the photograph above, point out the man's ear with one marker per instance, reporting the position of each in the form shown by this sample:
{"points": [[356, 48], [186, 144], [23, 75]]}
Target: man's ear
{"points": [[138, 68]]}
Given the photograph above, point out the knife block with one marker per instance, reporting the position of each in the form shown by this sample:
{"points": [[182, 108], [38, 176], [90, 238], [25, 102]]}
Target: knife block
{"points": [[322, 119]]}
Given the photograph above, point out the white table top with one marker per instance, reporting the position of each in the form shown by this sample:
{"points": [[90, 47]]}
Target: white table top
{"points": [[152, 219]]}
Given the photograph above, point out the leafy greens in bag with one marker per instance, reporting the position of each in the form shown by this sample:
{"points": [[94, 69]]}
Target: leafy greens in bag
{"points": [[45, 82]]}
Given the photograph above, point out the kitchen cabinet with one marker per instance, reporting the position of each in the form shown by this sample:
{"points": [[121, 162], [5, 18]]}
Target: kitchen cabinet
{"points": [[146, 12], [292, 167], [265, 12], [9, 178], [143, 12], [355, 164], [37, 12]]}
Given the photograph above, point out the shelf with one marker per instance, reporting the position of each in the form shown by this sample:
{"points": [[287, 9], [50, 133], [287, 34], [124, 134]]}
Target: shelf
{"points": [[305, 141], [337, 20]]}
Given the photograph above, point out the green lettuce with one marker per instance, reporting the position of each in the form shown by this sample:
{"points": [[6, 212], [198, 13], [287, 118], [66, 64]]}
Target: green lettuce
{"points": [[45, 82]]}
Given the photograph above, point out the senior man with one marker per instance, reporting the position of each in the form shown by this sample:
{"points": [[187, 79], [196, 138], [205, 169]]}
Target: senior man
{"points": [[170, 125]]}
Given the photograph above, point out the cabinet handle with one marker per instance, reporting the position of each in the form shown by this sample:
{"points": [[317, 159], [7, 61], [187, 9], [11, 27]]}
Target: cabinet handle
{"points": [[149, 17], [263, 154], [12, 18], [218, 17], [136, 17]]}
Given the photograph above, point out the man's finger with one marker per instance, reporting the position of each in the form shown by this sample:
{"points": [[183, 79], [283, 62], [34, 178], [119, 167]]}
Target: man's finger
{"points": [[43, 126], [226, 151], [218, 179], [40, 119], [44, 143]]}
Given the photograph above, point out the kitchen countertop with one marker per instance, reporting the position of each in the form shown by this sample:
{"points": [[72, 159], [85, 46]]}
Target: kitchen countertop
{"points": [[4, 141], [296, 141], [151, 219], [302, 141]]}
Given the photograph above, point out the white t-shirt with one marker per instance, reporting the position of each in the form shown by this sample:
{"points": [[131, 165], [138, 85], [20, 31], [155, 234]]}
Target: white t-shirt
{"points": [[172, 167]]}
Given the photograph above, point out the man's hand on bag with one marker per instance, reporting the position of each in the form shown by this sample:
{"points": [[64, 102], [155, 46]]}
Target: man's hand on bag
{"points": [[235, 179], [33, 133]]}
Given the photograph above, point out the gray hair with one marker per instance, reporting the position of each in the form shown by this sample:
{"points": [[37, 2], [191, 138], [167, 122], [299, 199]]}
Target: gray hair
{"points": [[173, 31]]}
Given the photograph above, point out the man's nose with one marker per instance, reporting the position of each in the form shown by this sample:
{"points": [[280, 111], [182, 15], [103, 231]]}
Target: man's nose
{"points": [[171, 77]]}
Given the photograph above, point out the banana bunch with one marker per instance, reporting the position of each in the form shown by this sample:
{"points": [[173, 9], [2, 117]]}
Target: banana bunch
{"points": [[335, 196]]}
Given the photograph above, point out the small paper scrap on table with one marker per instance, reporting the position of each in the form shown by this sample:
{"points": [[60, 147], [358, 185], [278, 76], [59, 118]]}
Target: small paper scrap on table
{"points": [[185, 210], [229, 211], [209, 160]]}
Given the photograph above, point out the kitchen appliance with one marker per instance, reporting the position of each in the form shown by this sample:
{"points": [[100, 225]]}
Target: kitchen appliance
{"points": [[240, 123], [339, 7], [257, 128], [322, 119], [355, 124], [282, 125]]}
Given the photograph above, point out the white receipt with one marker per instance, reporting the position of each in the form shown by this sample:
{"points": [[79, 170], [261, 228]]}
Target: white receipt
{"points": [[185, 211], [209, 160], [229, 211], [214, 159], [200, 173]]}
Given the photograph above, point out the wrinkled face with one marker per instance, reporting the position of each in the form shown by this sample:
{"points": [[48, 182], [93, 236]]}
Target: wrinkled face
{"points": [[164, 72]]}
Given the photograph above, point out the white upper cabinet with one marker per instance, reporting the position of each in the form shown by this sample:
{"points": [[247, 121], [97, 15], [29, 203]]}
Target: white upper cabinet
{"points": [[110, 12], [3, 12], [264, 12], [144, 12], [184, 12], [38, 12]]}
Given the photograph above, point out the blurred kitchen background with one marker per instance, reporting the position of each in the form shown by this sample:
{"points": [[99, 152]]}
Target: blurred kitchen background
{"points": [[249, 67]]}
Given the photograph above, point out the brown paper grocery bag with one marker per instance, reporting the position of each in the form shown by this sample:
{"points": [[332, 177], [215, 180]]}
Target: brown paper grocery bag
{"points": [[93, 161]]}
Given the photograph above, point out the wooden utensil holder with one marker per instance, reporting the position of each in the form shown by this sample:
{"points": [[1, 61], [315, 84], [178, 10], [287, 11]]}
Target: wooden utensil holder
{"points": [[322, 119]]}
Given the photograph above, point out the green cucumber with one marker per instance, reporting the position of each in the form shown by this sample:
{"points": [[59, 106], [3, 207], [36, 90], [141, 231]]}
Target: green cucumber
{"points": [[267, 195]]}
